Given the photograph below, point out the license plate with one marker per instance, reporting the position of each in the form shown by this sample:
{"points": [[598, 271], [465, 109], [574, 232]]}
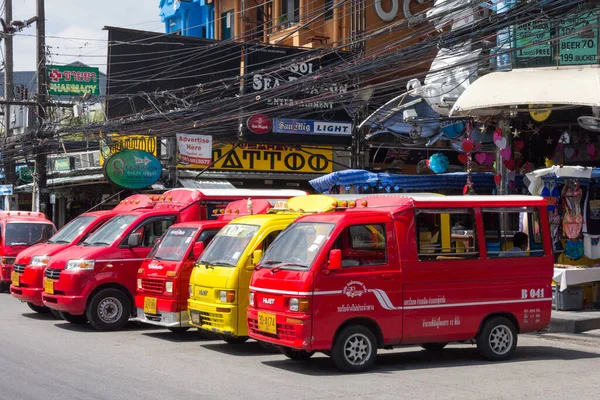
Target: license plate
{"points": [[195, 315], [15, 277], [267, 323], [48, 286], [150, 305]]}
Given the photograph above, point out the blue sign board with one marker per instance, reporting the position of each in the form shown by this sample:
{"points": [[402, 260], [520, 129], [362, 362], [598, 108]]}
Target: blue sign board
{"points": [[6, 190], [309, 127]]}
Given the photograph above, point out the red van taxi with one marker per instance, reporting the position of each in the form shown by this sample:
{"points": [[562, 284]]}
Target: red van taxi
{"points": [[406, 271]]}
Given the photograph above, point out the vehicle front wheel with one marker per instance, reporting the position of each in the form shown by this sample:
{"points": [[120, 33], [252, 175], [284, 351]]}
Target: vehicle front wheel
{"points": [[497, 339], [296, 355], [74, 319], [434, 347], [235, 339], [179, 329], [354, 349], [38, 309], [109, 310]]}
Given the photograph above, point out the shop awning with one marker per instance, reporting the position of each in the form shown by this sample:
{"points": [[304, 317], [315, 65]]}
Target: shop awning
{"points": [[577, 86], [205, 184], [535, 180]]}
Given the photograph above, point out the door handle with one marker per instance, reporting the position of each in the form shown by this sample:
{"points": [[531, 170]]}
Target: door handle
{"points": [[109, 265], [387, 277]]}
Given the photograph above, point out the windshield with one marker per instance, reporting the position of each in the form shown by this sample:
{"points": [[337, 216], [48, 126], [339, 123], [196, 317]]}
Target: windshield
{"points": [[297, 246], [110, 231], [228, 245], [173, 245], [71, 230], [27, 234]]}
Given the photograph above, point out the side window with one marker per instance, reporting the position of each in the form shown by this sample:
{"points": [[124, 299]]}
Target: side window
{"points": [[268, 240], [363, 245], [154, 229], [446, 234], [207, 236], [513, 232]]}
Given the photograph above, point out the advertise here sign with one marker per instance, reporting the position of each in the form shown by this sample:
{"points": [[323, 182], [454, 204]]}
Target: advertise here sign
{"points": [[115, 143], [307, 127], [274, 158], [195, 151]]}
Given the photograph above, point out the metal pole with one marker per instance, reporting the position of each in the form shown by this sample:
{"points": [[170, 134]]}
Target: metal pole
{"points": [[41, 159], [8, 68]]}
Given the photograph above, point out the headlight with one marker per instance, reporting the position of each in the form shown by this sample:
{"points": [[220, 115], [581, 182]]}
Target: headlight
{"points": [[191, 290], [80, 265], [139, 283], [39, 261], [227, 296], [169, 287], [251, 299], [298, 304]]}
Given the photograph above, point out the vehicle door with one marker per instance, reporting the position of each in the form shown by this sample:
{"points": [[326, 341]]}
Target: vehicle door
{"points": [[205, 236], [367, 285], [150, 231]]}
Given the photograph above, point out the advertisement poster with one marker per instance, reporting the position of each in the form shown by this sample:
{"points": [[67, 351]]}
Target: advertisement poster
{"points": [[195, 151]]}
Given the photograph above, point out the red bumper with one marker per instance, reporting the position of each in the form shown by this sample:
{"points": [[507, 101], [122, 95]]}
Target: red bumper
{"points": [[72, 304], [5, 271], [292, 330], [30, 286], [164, 304]]}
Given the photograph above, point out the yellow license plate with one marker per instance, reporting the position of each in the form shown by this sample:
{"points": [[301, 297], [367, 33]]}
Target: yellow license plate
{"points": [[267, 323], [195, 315], [150, 305], [48, 286], [14, 277]]}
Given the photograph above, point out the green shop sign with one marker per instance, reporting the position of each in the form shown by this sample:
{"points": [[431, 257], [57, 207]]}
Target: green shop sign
{"points": [[580, 46], [74, 81], [132, 169], [533, 39]]}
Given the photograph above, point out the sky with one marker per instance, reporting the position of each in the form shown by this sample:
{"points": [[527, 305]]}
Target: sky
{"points": [[74, 28]]}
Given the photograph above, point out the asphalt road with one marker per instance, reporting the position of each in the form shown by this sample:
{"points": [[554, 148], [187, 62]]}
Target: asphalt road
{"points": [[42, 358]]}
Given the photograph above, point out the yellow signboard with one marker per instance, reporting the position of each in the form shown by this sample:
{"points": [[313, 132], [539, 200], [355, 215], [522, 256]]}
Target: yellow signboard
{"points": [[274, 158], [113, 143], [540, 114]]}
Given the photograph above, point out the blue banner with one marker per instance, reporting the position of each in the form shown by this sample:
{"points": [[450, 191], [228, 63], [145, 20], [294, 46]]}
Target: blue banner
{"points": [[309, 127]]}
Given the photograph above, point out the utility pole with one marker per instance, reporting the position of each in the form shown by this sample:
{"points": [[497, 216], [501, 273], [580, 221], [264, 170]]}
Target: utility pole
{"points": [[40, 202], [9, 166]]}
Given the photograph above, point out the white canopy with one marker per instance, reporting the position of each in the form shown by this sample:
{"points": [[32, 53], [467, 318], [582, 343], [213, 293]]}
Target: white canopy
{"points": [[578, 85]]}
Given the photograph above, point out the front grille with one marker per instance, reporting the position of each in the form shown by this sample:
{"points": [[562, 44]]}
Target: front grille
{"points": [[212, 319], [284, 331], [153, 285], [19, 268], [53, 273]]}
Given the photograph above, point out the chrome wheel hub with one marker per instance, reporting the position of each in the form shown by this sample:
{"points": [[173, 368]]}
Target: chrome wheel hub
{"points": [[110, 310], [501, 339], [357, 349]]}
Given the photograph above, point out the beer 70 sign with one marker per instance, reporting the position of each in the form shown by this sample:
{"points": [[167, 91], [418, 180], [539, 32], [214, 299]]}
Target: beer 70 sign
{"points": [[274, 158]]}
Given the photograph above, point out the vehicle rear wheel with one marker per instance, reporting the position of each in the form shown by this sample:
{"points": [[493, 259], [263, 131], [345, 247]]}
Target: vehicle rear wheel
{"points": [[38, 309], [354, 349], [56, 314], [74, 319], [179, 329], [4, 286], [109, 310], [296, 355], [434, 347], [497, 339], [235, 339]]}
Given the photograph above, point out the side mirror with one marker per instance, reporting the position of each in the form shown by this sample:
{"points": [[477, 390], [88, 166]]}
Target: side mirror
{"points": [[198, 249], [256, 256], [335, 260], [135, 240]]}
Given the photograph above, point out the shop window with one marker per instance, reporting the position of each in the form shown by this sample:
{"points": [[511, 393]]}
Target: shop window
{"points": [[363, 245], [512, 232], [290, 11], [446, 234], [227, 25]]}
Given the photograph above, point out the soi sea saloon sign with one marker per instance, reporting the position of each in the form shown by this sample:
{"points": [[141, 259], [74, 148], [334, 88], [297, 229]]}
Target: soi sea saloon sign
{"points": [[132, 169]]}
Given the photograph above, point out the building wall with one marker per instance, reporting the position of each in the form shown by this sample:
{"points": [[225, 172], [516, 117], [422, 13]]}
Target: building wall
{"points": [[188, 18]]}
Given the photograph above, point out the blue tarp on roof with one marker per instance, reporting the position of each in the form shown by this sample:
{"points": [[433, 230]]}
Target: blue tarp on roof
{"points": [[454, 181]]}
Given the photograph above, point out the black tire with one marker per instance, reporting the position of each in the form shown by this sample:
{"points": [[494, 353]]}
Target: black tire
{"points": [[74, 319], [297, 355], [434, 347], [348, 353], [38, 309], [179, 329], [269, 347], [109, 310], [235, 339], [4, 287], [497, 339], [56, 314]]}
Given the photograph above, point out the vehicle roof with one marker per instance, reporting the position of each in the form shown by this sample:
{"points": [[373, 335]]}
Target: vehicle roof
{"points": [[245, 193], [200, 224], [100, 212], [261, 219], [26, 216]]}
